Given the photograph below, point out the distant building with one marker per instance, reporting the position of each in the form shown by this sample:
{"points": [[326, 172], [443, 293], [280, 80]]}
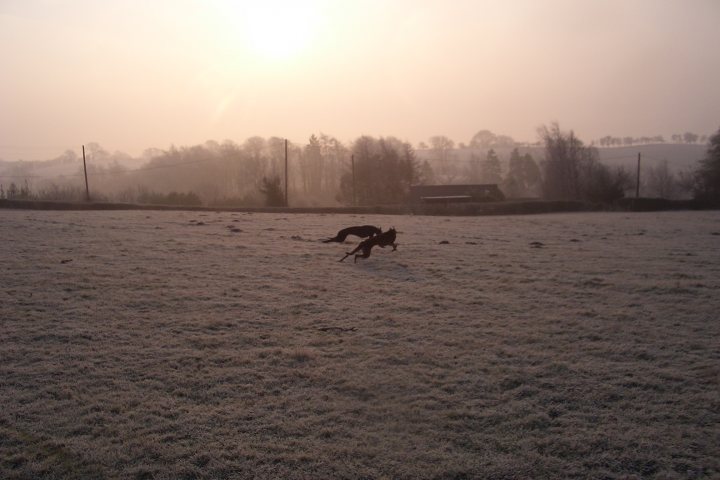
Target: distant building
{"points": [[455, 193]]}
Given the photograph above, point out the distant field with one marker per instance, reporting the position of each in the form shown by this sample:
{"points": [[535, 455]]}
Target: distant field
{"points": [[164, 345]]}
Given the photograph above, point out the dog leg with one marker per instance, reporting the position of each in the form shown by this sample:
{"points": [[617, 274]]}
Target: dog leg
{"points": [[365, 254], [347, 254]]}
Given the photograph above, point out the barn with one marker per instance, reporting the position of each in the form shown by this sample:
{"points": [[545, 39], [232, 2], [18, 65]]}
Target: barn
{"points": [[455, 193]]}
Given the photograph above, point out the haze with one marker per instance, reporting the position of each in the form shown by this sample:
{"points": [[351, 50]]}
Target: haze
{"points": [[134, 74]]}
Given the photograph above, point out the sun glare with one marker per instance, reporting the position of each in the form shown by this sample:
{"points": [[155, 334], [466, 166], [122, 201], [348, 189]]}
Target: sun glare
{"points": [[279, 30]]}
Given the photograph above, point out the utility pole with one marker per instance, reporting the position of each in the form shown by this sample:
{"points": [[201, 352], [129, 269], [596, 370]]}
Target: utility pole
{"points": [[87, 189], [637, 185], [352, 161], [286, 174]]}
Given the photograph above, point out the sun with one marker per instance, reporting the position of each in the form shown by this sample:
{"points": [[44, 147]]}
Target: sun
{"points": [[278, 30]]}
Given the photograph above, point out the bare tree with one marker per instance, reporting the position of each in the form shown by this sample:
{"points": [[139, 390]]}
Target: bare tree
{"points": [[442, 150], [504, 141], [482, 140], [426, 174], [311, 166], [689, 137], [661, 182], [384, 170], [571, 171], [565, 158]]}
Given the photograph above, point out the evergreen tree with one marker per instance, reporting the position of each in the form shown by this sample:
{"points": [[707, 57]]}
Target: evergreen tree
{"points": [[274, 195], [531, 175], [491, 170], [523, 176]]}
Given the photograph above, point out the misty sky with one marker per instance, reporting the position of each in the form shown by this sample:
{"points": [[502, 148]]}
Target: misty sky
{"points": [[132, 74]]}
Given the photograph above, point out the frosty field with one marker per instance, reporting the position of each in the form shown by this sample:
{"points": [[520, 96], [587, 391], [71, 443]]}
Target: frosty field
{"points": [[233, 345]]}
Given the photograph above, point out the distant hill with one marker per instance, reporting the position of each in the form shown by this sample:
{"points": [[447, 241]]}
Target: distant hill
{"points": [[20, 170], [680, 156], [61, 167]]}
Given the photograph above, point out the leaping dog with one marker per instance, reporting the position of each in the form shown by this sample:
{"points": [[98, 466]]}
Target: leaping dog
{"points": [[362, 231], [382, 240]]}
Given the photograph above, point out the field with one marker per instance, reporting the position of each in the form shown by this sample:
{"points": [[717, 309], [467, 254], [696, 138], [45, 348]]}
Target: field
{"points": [[164, 345]]}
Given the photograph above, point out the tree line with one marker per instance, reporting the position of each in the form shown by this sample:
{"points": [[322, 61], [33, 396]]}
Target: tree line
{"points": [[572, 171], [369, 170], [687, 137]]}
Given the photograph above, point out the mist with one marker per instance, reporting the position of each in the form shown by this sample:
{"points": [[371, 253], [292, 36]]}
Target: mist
{"points": [[131, 75], [321, 173], [412, 239]]}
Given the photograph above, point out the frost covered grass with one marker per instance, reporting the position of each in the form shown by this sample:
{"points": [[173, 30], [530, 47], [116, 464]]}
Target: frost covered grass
{"points": [[228, 345]]}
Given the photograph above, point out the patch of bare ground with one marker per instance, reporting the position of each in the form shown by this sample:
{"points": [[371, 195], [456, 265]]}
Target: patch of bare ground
{"points": [[139, 345]]}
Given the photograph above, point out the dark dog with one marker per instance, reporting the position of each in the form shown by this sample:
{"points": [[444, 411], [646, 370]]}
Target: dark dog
{"points": [[362, 231], [382, 241]]}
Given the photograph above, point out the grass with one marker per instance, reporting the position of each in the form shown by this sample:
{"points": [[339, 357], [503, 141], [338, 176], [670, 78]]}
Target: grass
{"points": [[166, 350]]}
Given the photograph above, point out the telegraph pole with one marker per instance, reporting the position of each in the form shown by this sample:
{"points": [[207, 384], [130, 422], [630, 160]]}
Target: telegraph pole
{"points": [[286, 174], [87, 189], [637, 185]]}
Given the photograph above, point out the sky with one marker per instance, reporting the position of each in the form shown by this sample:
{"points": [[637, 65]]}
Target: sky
{"points": [[133, 74]]}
